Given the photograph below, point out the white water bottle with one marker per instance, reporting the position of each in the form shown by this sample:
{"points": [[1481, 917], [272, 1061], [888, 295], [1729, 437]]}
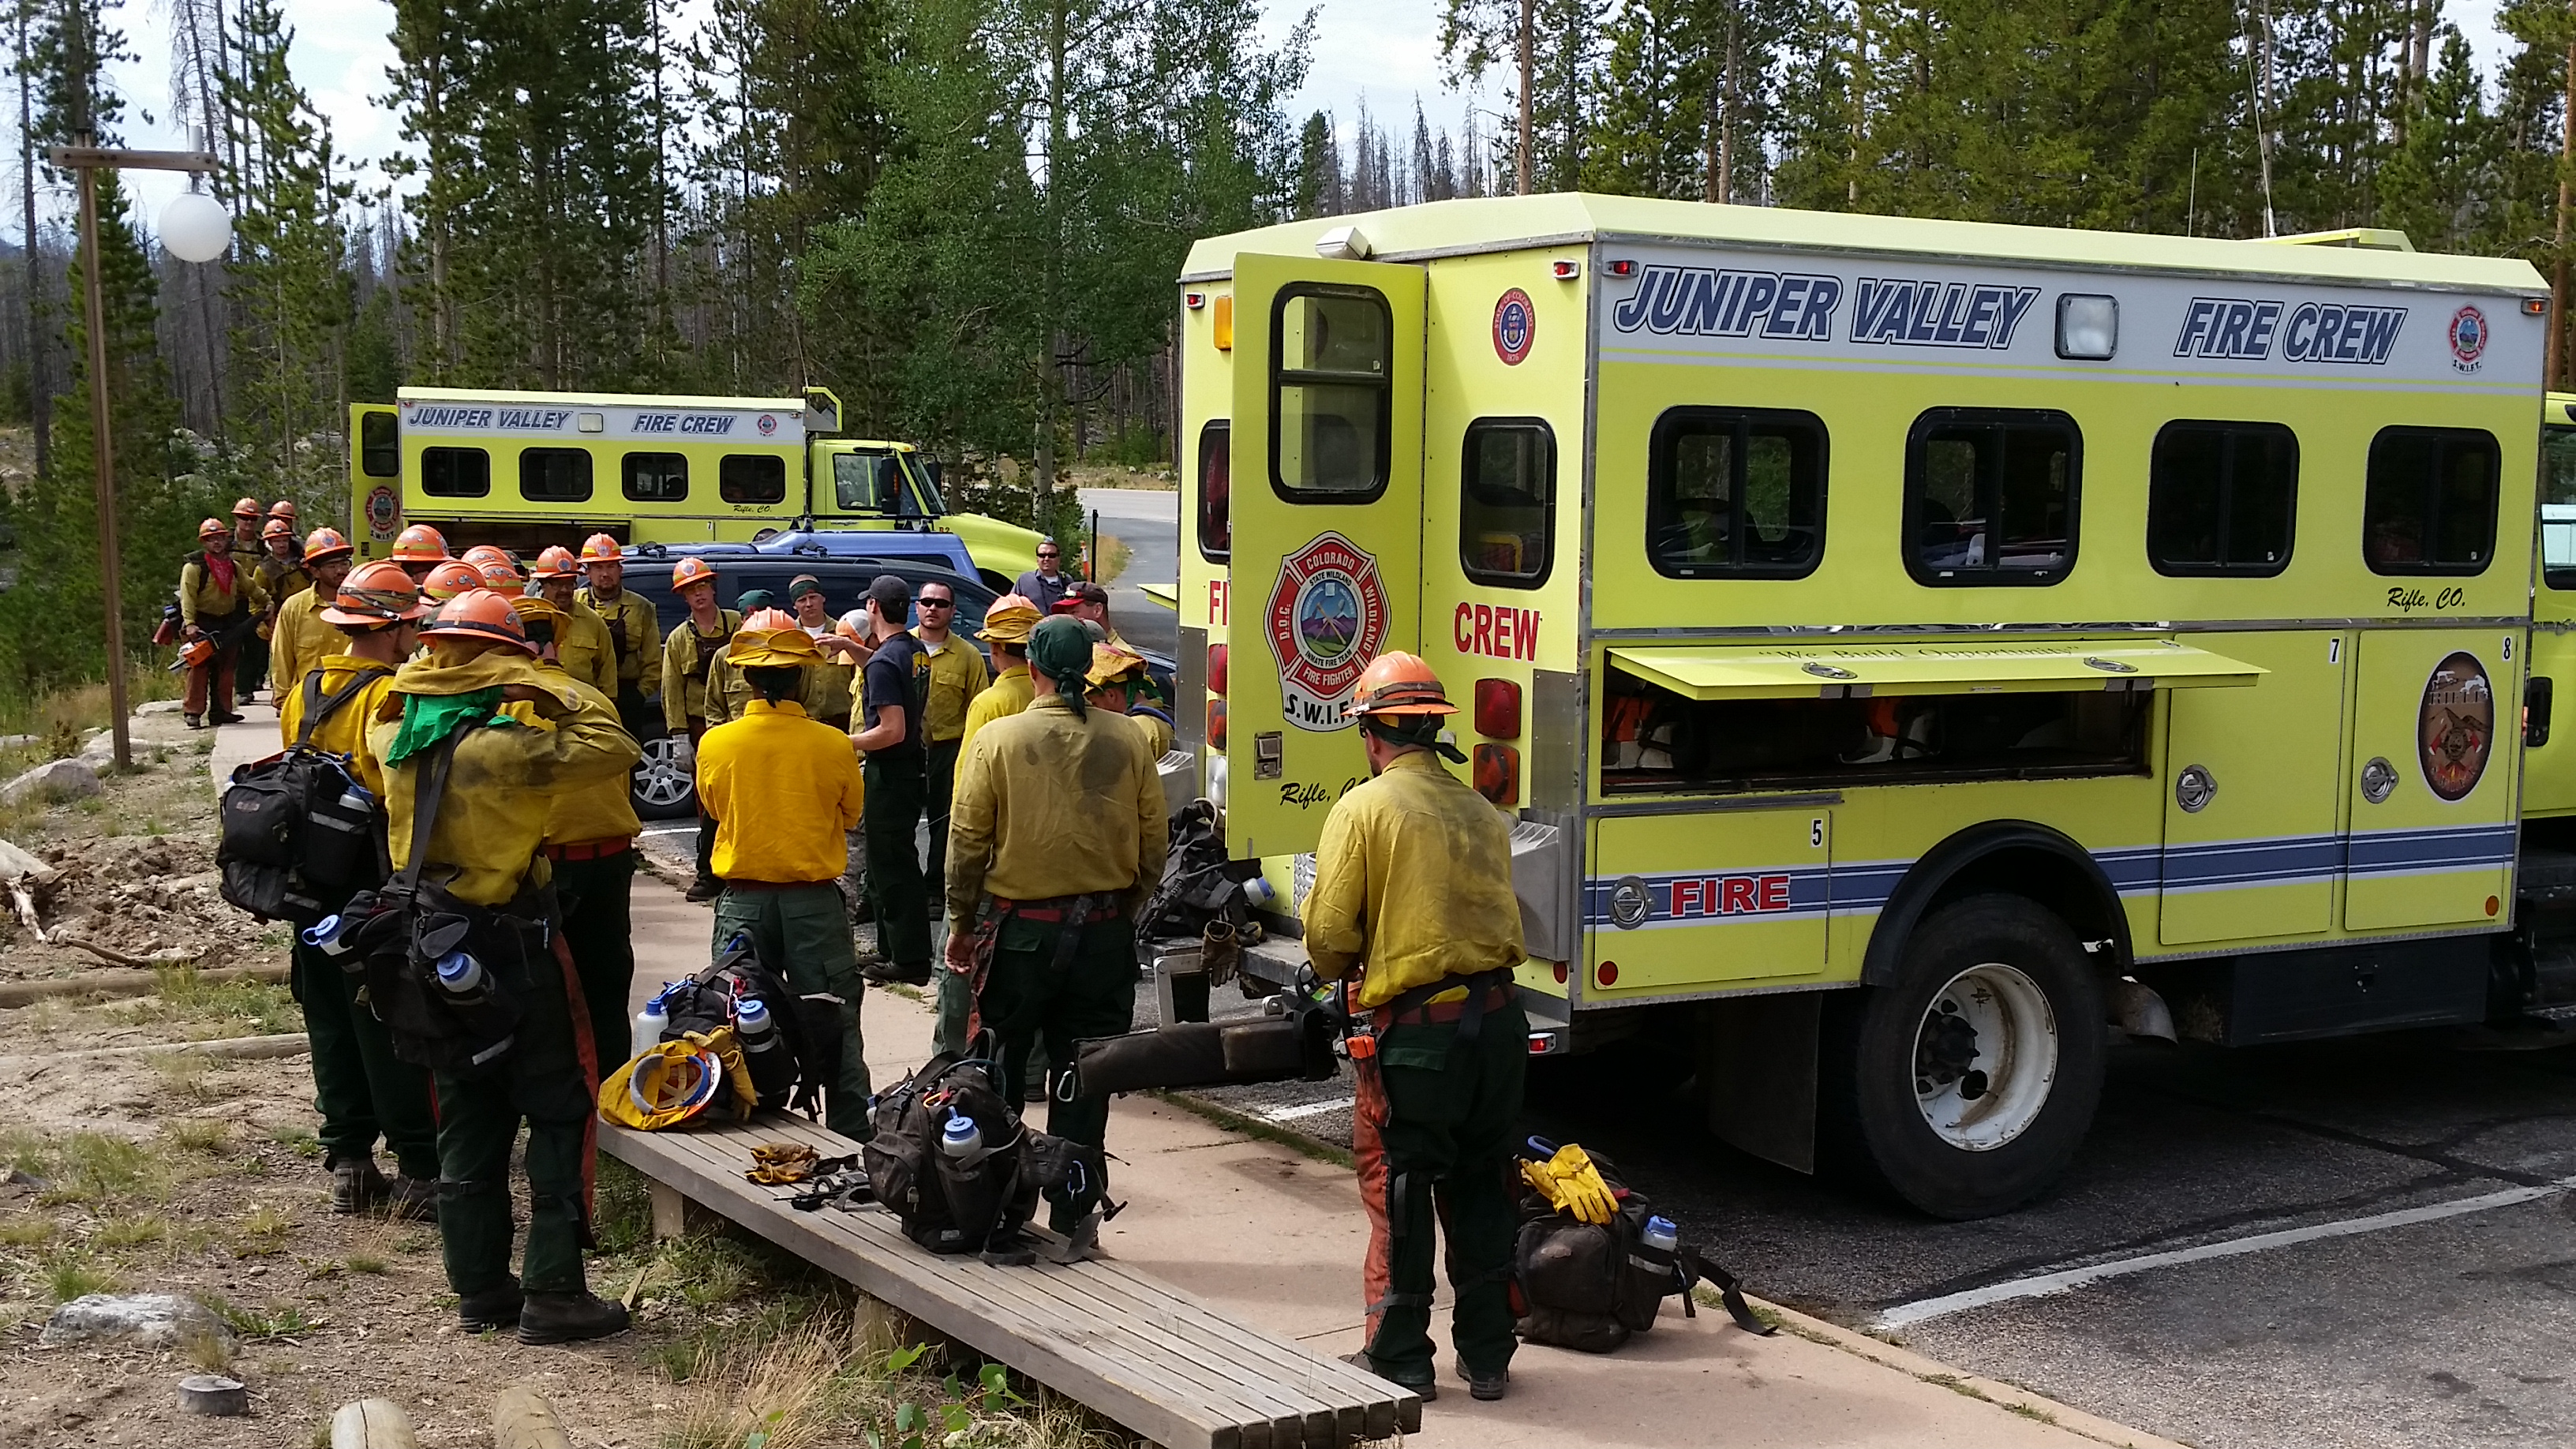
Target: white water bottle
{"points": [[1661, 1235], [961, 1137], [752, 1026], [649, 1025], [460, 974]]}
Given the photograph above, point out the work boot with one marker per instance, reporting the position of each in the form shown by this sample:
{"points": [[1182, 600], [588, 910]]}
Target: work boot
{"points": [[412, 1199], [356, 1185], [229, 718], [889, 973], [704, 888], [1423, 1391], [569, 1318], [1486, 1389], [492, 1308], [194, 722]]}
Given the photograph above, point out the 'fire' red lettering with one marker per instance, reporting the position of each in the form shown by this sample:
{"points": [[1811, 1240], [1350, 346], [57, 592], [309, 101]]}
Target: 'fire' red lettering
{"points": [[1775, 893], [1685, 897], [1739, 895]]}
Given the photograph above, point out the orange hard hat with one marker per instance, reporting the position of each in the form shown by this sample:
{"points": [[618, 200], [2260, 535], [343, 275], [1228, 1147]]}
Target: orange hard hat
{"points": [[691, 571], [452, 577], [373, 593], [212, 528], [555, 563], [246, 508], [767, 621], [325, 544], [1399, 683], [501, 574], [484, 555], [283, 508], [278, 528], [420, 543], [481, 614], [600, 548]]}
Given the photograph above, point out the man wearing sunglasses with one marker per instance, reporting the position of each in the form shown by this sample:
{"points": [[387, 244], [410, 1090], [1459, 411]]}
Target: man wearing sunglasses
{"points": [[957, 675], [1047, 583]]}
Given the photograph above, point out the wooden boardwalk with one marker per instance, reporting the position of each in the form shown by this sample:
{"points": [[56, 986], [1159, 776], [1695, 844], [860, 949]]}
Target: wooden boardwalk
{"points": [[1134, 1348]]}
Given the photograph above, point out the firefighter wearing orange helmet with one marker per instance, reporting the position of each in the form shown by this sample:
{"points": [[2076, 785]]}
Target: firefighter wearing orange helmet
{"points": [[582, 644], [1412, 906], [633, 632], [419, 549], [299, 638], [688, 654], [220, 602]]}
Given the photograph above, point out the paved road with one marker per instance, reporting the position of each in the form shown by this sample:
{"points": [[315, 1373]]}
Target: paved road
{"points": [[1150, 525], [2455, 1323]]}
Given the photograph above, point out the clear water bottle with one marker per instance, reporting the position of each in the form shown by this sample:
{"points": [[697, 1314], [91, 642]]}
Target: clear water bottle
{"points": [[460, 974], [649, 1026], [330, 935], [1259, 892], [1660, 1234], [961, 1137]]}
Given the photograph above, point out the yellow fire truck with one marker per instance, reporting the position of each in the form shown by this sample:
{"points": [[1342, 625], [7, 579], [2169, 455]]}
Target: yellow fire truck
{"points": [[529, 469], [1904, 648]]}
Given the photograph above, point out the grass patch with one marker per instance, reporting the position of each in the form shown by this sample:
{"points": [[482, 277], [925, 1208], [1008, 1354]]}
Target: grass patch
{"points": [[72, 1275], [278, 1320], [182, 1074], [623, 1206], [87, 1167], [298, 1140], [263, 1233], [134, 1232], [258, 1008], [197, 1134], [26, 1232], [1254, 1127], [1114, 557]]}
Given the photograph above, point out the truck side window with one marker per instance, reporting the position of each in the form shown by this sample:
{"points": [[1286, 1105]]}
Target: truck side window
{"points": [[554, 475], [654, 477], [2429, 506], [1216, 491], [2220, 499], [2558, 507], [751, 478], [1507, 501], [379, 446], [1990, 496], [455, 472], [865, 482], [1331, 393], [1735, 493]]}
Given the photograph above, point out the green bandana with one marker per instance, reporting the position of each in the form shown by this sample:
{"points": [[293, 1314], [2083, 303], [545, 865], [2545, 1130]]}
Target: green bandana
{"points": [[429, 718], [1060, 650]]}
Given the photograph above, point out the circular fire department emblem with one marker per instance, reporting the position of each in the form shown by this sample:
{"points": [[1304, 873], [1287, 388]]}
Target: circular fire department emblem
{"points": [[1326, 618], [768, 424], [2468, 338], [2455, 729], [384, 511], [1515, 326]]}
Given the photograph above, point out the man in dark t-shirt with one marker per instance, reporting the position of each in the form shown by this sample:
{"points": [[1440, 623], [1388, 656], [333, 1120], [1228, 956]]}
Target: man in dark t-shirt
{"points": [[890, 734]]}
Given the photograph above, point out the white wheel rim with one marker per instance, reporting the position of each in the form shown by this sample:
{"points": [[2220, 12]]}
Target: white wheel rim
{"points": [[658, 779], [1985, 1057]]}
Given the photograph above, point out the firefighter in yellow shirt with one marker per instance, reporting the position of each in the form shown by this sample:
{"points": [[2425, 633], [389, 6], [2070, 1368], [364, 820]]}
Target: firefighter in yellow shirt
{"points": [[957, 675], [785, 790], [220, 601], [484, 851], [588, 653], [633, 632], [1413, 904], [360, 1087], [590, 846], [1118, 681], [301, 636], [728, 692], [687, 655], [1057, 835], [1006, 627]]}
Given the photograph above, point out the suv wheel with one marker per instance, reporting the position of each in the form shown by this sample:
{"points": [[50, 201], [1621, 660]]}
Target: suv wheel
{"points": [[660, 788]]}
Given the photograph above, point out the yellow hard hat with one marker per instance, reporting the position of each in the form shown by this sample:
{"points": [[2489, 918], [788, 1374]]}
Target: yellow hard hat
{"points": [[1008, 620], [1112, 663], [772, 648]]}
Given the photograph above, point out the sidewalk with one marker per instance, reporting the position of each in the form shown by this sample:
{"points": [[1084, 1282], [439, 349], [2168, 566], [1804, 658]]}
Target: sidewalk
{"points": [[1274, 1238]]}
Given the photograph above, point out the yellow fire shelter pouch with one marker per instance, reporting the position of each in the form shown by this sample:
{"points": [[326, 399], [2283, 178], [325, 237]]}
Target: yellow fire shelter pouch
{"points": [[677, 1082]]}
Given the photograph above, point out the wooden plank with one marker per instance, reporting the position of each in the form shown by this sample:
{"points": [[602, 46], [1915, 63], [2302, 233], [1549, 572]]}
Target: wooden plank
{"points": [[1074, 1368]]}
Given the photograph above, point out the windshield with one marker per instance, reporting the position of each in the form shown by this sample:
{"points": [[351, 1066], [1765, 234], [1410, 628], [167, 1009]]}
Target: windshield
{"points": [[931, 502], [2558, 507]]}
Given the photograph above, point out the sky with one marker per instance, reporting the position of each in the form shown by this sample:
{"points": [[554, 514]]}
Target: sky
{"points": [[1386, 51]]}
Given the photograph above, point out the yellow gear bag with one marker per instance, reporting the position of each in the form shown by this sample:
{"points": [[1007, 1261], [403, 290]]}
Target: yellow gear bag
{"points": [[676, 1082]]}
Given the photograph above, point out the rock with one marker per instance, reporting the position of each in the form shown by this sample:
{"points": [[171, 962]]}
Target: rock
{"points": [[98, 749], [54, 777], [16, 742], [144, 1320], [158, 706], [15, 863]]}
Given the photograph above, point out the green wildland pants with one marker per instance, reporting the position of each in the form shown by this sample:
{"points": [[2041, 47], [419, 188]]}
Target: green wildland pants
{"points": [[896, 792], [359, 1086], [803, 934], [596, 925], [1028, 1001], [1434, 1127], [542, 1083]]}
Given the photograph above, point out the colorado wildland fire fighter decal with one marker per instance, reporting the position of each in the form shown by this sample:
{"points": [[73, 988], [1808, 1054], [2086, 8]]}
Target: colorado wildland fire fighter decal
{"points": [[1326, 619], [2455, 729]]}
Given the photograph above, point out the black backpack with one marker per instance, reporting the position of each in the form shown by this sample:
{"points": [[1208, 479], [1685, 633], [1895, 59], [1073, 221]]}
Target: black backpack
{"points": [[804, 1059], [1588, 1286], [978, 1203], [297, 830], [1199, 885]]}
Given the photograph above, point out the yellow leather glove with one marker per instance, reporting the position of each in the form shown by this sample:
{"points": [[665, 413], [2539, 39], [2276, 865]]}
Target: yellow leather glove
{"points": [[1572, 1184]]}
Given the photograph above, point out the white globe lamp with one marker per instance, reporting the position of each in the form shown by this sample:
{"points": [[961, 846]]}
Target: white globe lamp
{"points": [[195, 227]]}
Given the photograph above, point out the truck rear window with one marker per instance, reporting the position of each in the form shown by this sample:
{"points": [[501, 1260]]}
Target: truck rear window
{"points": [[1216, 491], [2430, 504], [752, 478], [455, 472], [1736, 493], [1332, 354], [1507, 501], [2558, 507], [2221, 497], [380, 446], [1990, 496]]}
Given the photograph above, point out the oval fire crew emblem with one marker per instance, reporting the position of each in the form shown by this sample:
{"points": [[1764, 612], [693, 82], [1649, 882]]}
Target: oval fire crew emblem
{"points": [[2455, 729], [1515, 326], [1326, 621], [2468, 338], [384, 511]]}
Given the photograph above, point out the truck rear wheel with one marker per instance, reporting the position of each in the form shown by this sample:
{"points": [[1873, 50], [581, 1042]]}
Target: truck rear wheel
{"points": [[1966, 1085]]}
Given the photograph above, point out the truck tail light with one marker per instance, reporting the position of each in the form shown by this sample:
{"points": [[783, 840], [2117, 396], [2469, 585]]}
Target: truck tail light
{"points": [[1216, 725], [1194, 300], [1566, 271], [1623, 268], [1498, 708], [1225, 324], [1216, 670], [1498, 774]]}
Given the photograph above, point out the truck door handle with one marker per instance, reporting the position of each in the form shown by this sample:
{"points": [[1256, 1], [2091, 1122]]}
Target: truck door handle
{"points": [[2536, 696]]}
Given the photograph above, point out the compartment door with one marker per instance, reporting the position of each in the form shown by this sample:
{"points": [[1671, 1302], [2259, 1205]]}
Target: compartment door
{"points": [[1327, 518], [2431, 799], [1677, 903], [2251, 844], [375, 478]]}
